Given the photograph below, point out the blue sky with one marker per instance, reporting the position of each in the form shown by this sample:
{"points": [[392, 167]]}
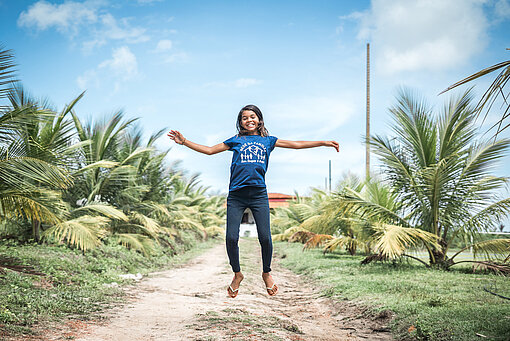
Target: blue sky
{"points": [[191, 65]]}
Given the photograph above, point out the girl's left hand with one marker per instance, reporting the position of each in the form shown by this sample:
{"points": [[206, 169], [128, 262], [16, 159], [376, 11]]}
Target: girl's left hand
{"points": [[333, 144]]}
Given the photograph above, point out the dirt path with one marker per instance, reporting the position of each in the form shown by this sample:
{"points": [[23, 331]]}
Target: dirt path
{"points": [[191, 303]]}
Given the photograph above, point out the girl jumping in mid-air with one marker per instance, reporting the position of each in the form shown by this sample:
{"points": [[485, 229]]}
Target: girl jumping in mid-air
{"points": [[251, 146]]}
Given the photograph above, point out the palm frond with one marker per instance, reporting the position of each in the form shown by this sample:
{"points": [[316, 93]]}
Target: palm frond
{"points": [[34, 205], [492, 249], [150, 224], [301, 236], [394, 240], [317, 240], [493, 92], [99, 164], [6, 72], [136, 242], [214, 231], [104, 209], [83, 232], [287, 233], [14, 170]]}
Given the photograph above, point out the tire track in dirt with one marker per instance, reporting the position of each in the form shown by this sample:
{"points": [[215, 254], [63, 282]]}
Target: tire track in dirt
{"points": [[191, 303]]}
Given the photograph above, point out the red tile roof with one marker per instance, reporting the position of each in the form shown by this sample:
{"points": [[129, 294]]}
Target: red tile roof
{"points": [[279, 199], [276, 200]]}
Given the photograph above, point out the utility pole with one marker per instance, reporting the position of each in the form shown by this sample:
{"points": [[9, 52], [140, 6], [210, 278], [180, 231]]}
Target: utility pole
{"points": [[367, 142], [329, 176]]}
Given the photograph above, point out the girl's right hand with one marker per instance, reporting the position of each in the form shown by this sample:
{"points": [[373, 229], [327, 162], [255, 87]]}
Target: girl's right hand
{"points": [[176, 136]]}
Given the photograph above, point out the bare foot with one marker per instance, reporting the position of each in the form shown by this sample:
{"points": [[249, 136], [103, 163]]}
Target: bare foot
{"points": [[233, 289], [271, 286]]}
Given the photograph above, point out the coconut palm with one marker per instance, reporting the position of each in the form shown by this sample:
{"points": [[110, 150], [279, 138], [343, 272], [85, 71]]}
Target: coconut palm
{"points": [[441, 173], [29, 186], [376, 218], [101, 175], [117, 169], [48, 138]]}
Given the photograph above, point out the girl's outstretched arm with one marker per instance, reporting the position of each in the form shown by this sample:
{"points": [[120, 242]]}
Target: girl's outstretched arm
{"points": [[306, 144], [179, 139]]}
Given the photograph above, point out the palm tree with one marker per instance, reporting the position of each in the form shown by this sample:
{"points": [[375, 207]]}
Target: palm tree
{"points": [[48, 138], [116, 169], [441, 173], [29, 186], [288, 220], [374, 219]]}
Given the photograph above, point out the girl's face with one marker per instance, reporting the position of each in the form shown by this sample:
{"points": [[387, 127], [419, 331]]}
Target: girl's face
{"points": [[250, 122]]}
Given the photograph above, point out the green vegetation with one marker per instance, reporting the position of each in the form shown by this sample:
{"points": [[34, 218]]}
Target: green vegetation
{"points": [[435, 193], [43, 284], [436, 188], [82, 202], [429, 304], [66, 181]]}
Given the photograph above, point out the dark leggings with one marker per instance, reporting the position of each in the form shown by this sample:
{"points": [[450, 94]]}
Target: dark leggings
{"points": [[254, 198]]}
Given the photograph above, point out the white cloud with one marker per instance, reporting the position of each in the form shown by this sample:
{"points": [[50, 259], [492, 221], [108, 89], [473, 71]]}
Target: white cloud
{"points": [[123, 63], [502, 10], [121, 30], [95, 25], [423, 34], [122, 66], [163, 45], [64, 17]]}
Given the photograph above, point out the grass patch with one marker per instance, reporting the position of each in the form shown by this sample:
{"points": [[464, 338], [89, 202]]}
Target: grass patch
{"points": [[430, 304], [41, 283]]}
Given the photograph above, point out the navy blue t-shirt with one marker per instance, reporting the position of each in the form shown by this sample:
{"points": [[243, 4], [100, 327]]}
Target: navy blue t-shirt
{"points": [[250, 160]]}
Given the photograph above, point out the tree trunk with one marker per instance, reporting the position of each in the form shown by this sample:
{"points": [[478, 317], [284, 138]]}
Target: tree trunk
{"points": [[36, 230], [352, 249], [438, 257]]}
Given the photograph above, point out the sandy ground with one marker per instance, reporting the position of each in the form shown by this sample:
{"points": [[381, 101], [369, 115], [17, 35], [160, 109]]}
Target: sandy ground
{"points": [[191, 303]]}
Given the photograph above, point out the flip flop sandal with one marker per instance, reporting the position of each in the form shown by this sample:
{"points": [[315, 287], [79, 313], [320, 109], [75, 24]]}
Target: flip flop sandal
{"points": [[274, 290], [234, 292]]}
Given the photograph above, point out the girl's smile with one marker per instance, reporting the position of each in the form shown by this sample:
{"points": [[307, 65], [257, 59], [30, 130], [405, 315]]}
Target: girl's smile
{"points": [[250, 122]]}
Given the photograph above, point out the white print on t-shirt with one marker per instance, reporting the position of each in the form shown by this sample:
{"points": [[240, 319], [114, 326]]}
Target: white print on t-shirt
{"points": [[253, 152]]}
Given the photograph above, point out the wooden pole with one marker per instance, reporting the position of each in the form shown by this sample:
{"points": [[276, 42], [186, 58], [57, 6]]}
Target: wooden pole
{"points": [[367, 142], [329, 176]]}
